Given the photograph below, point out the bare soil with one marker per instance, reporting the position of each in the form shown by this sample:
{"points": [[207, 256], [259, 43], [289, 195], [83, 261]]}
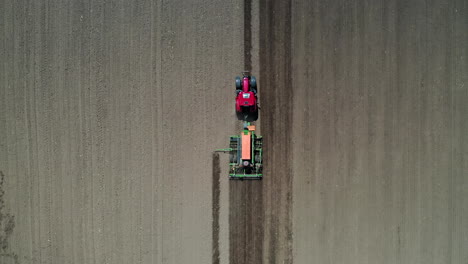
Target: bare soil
{"points": [[110, 111]]}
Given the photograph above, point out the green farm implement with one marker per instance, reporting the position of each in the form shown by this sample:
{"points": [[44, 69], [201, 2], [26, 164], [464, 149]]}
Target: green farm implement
{"points": [[245, 154]]}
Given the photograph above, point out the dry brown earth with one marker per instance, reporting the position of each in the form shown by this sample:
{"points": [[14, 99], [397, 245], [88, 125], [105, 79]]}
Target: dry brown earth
{"points": [[110, 110], [380, 131]]}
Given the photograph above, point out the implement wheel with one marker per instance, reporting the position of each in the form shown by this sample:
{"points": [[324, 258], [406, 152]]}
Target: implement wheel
{"points": [[232, 158], [257, 159]]}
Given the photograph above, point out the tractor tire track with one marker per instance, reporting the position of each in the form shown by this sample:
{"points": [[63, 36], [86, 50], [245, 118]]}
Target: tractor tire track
{"points": [[248, 35], [246, 197], [260, 211], [215, 210], [276, 123]]}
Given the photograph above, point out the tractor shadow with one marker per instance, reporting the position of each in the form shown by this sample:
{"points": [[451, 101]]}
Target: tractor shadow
{"points": [[247, 117]]}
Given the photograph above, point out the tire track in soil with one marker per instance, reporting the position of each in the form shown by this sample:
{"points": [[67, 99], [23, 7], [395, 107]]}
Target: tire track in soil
{"points": [[260, 224], [215, 210], [276, 123], [248, 35], [7, 224], [245, 197]]}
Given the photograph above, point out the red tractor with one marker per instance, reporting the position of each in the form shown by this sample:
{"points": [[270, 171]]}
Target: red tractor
{"points": [[246, 98]]}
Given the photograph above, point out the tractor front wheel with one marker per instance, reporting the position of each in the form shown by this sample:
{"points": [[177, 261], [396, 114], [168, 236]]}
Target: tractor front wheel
{"points": [[238, 83], [253, 82]]}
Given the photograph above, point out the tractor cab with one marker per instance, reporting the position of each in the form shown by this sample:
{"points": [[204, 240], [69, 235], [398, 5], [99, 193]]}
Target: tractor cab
{"points": [[246, 98]]}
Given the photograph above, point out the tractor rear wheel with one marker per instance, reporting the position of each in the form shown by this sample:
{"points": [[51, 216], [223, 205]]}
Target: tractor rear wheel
{"points": [[240, 116], [252, 116]]}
